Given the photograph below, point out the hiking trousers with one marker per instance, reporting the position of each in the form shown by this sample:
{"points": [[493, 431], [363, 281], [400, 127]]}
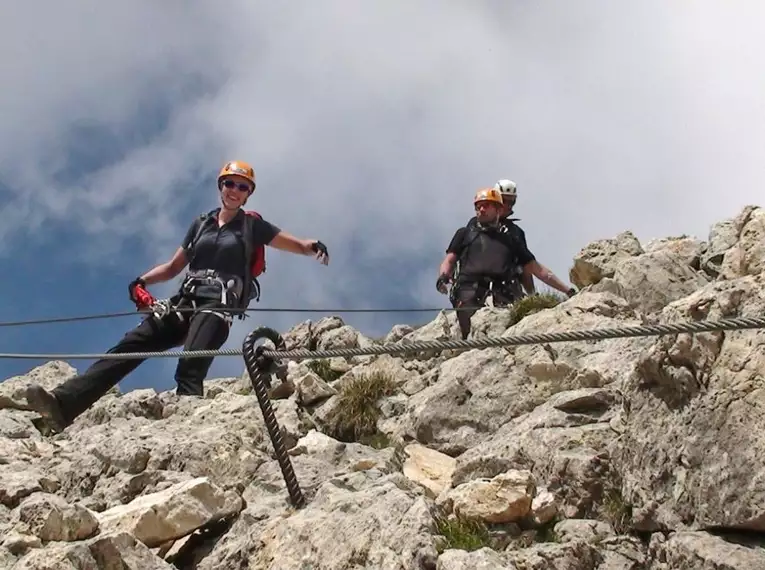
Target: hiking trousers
{"points": [[471, 296], [196, 331]]}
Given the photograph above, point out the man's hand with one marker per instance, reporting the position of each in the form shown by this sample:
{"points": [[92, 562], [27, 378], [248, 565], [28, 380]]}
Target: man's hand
{"points": [[441, 283]]}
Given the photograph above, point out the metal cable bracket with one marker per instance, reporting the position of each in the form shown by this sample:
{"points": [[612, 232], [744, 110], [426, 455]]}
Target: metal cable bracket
{"points": [[260, 368]]}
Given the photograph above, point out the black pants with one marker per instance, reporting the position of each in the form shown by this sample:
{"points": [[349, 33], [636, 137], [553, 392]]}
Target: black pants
{"points": [[471, 296], [196, 331]]}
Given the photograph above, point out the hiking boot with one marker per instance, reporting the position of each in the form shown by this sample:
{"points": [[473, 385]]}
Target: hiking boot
{"points": [[47, 405]]}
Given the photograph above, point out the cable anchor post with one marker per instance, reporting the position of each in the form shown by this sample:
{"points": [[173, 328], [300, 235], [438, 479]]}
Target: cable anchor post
{"points": [[260, 369]]}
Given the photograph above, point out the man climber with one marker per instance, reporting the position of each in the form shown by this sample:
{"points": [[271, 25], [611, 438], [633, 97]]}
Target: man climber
{"points": [[509, 191], [487, 255]]}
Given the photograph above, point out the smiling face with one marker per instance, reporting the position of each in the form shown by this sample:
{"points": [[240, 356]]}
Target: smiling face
{"points": [[234, 191]]}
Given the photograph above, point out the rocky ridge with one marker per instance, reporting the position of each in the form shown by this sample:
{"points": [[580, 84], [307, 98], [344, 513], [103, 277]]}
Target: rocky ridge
{"points": [[622, 454]]}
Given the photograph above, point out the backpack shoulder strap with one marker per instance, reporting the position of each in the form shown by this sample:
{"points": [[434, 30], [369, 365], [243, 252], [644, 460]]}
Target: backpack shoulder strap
{"points": [[201, 221], [247, 238]]}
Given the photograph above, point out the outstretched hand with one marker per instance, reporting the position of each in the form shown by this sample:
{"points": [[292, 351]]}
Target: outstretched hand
{"points": [[321, 251]]}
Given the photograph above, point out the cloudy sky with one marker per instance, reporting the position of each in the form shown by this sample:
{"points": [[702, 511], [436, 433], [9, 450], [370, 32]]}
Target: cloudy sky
{"points": [[370, 125]]}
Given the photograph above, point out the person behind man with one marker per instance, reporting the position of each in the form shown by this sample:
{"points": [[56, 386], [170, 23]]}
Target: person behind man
{"points": [[486, 255], [218, 248]]}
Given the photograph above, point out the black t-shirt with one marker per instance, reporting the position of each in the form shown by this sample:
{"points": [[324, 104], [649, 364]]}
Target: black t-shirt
{"points": [[222, 248], [489, 252], [511, 226]]}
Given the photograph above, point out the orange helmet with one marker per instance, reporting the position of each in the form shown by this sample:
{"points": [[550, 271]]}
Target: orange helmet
{"points": [[237, 168], [488, 195]]}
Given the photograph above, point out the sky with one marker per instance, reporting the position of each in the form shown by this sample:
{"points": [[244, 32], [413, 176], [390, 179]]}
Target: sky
{"points": [[370, 126]]}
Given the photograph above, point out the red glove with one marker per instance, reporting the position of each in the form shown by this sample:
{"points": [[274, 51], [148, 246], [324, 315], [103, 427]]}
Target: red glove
{"points": [[139, 295]]}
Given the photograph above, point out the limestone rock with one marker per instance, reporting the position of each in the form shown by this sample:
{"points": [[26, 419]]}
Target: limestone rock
{"points": [[175, 512], [49, 375], [481, 559], [572, 530], [397, 333], [367, 520], [103, 552], [747, 256], [703, 394], [544, 507], [601, 258], [653, 280], [692, 550], [560, 448], [50, 517], [502, 499], [311, 389], [429, 468]]}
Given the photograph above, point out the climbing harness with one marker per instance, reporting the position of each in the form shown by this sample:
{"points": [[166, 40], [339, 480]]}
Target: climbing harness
{"points": [[209, 285]]}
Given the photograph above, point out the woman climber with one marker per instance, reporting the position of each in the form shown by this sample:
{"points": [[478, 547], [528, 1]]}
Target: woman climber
{"points": [[224, 250]]}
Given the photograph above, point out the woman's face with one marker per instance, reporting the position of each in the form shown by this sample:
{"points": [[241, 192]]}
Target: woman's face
{"points": [[234, 191]]}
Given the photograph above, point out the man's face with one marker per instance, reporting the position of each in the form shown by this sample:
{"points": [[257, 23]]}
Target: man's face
{"points": [[509, 202], [487, 211]]}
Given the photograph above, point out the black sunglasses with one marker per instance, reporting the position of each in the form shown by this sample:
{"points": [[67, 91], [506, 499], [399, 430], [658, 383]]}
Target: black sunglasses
{"points": [[241, 186]]}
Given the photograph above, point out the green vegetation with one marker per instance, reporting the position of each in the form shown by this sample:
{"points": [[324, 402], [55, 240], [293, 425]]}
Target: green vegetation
{"points": [[616, 511], [354, 416], [462, 533], [532, 304]]}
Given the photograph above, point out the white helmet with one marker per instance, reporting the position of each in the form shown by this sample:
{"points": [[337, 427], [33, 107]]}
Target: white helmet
{"points": [[506, 188]]}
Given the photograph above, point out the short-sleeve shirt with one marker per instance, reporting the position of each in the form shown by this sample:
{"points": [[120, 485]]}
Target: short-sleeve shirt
{"points": [[222, 248], [489, 253]]}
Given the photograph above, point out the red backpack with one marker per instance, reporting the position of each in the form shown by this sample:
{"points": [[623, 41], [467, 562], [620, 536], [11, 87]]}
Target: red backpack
{"points": [[257, 256]]}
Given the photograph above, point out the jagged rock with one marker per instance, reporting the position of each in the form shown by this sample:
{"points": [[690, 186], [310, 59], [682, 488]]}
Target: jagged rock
{"points": [[50, 517], [601, 258], [556, 556], [104, 552], [471, 395], [747, 256], [651, 281], [572, 530], [481, 559], [700, 550], [19, 544], [359, 520], [311, 389], [611, 436], [170, 514], [703, 394], [687, 249], [49, 375], [564, 443], [544, 507], [429, 468], [341, 337], [502, 499], [397, 333]]}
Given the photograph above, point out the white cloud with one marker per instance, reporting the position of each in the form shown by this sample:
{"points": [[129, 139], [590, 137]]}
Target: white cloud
{"points": [[374, 123]]}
